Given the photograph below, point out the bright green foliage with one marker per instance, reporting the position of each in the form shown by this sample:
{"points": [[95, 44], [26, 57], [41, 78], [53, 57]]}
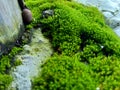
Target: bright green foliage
{"points": [[6, 62], [17, 62], [61, 73], [5, 80], [14, 51], [72, 25], [106, 72], [75, 28]]}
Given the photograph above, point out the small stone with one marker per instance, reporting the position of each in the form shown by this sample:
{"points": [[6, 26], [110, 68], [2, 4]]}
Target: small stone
{"points": [[27, 16], [47, 13]]}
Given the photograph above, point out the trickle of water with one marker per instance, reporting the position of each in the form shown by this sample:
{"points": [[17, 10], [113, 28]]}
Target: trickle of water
{"points": [[32, 56]]}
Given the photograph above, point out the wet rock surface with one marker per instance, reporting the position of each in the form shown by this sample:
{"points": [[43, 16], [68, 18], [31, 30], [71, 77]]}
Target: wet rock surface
{"points": [[110, 9]]}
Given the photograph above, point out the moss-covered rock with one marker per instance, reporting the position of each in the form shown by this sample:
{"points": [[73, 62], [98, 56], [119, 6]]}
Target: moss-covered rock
{"points": [[75, 28]]}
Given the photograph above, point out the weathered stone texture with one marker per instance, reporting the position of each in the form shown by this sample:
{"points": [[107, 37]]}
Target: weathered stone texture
{"points": [[10, 22]]}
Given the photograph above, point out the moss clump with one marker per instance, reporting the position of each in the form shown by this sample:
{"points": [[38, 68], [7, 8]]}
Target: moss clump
{"points": [[72, 26], [75, 28], [6, 62], [106, 72], [64, 73]]}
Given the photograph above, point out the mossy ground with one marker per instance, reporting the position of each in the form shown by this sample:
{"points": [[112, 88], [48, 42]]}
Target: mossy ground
{"points": [[6, 63], [86, 50]]}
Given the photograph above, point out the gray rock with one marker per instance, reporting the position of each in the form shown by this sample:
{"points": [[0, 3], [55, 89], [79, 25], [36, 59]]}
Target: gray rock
{"points": [[117, 30], [47, 13], [10, 22]]}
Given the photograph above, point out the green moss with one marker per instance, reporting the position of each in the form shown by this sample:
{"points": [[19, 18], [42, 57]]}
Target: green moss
{"points": [[75, 28], [72, 25], [6, 62], [106, 72], [5, 80], [61, 73], [17, 62]]}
